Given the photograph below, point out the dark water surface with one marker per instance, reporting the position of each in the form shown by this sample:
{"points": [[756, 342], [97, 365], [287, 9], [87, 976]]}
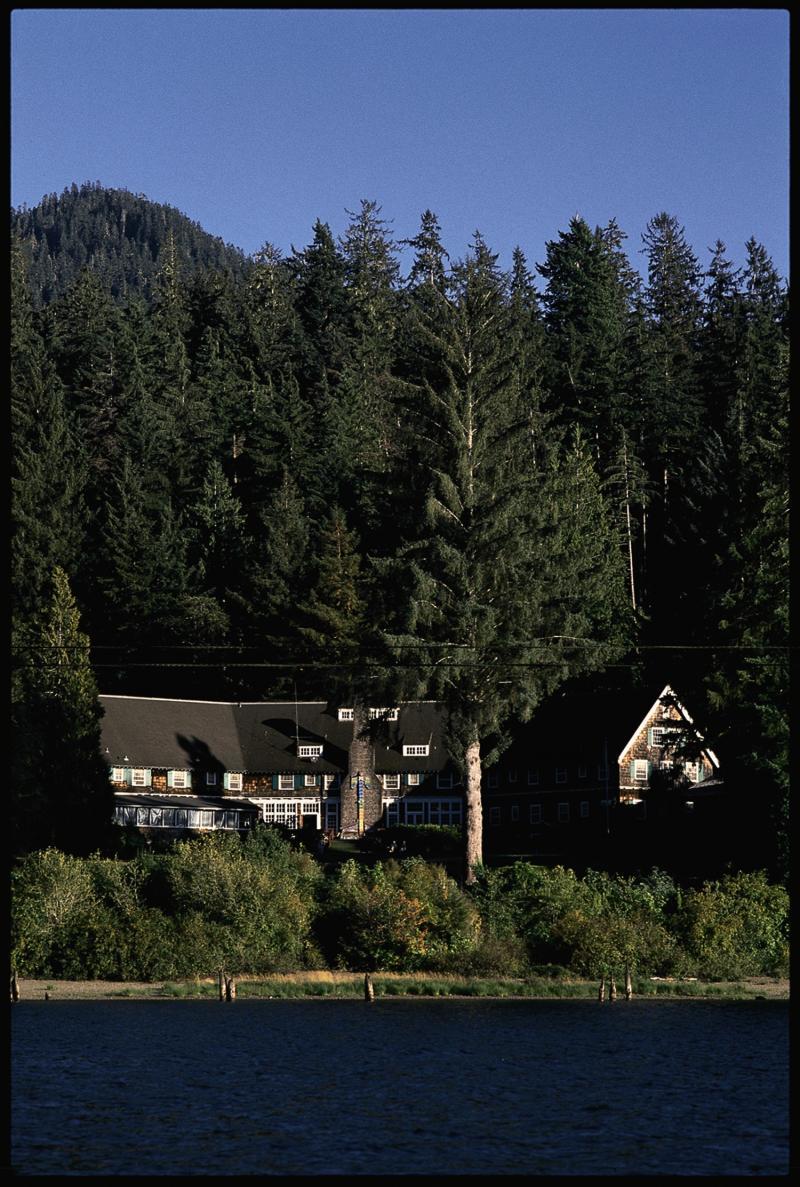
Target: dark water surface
{"points": [[400, 1087]]}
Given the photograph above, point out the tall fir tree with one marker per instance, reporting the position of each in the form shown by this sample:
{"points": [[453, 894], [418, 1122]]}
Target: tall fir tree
{"points": [[60, 783], [492, 622]]}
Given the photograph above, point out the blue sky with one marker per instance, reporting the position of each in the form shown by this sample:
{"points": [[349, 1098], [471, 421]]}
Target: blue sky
{"points": [[256, 122]]}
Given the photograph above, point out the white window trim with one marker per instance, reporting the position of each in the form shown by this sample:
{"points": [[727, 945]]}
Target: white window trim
{"points": [[235, 781], [311, 780], [388, 714], [180, 779], [285, 782], [640, 770], [117, 774], [391, 782], [138, 777], [416, 750], [414, 779], [309, 750], [211, 778], [345, 714]]}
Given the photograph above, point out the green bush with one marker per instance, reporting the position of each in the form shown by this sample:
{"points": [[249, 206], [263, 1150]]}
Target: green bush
{"points": [[736, 927]]}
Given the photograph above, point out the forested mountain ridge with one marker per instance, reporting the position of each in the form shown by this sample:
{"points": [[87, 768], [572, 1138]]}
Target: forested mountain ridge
{"points": [[269, 480], [120, 236]]}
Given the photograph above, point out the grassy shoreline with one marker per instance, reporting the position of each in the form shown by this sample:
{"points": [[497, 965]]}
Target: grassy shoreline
{"points": [[391, 986]]}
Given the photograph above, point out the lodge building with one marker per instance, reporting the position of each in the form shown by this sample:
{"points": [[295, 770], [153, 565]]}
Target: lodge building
{"points": [[181, 766]]}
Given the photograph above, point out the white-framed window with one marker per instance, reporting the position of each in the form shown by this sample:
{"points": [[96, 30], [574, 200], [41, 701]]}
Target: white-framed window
{"points": [[583, 772], [281, 812], [417, 751], [211, 778], [234, 781], [494, 816], [535, 813], [515, 812], [690, 770], [345, 714], [285, 782], [512, 775], [444, 781], [563, 813], [561, 774], [658, 734], [117, 775], [329, 781], [584, 809], [640, 770], [391, 782], [492, 779], [387, 714], [311, 780], [179, 779], [309, 750], [138, 777], [533, 777], [414, 778]]}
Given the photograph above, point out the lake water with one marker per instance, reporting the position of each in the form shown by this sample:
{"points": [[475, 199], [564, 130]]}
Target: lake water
{"points": [[399, 1087]]}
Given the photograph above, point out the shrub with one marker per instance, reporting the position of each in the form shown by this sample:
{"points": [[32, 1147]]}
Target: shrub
{"points": [[736, 927]]}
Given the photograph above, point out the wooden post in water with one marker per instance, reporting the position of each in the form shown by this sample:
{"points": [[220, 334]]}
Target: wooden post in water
{"points": [[369, 988], [612, 992], [628, 985], [601, 993]]}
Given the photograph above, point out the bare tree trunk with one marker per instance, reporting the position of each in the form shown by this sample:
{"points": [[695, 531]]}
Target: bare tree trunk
{"points": [[473, 823], [628, 520]]}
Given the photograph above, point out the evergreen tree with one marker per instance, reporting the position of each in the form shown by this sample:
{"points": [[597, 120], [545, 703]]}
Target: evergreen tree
{"points": [[48, 475], [493, 622], [323, 308], [60, 785], [275, 574], [672, 414], [332, 619]]}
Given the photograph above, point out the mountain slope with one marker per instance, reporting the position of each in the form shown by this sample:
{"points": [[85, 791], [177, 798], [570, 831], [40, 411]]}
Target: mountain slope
{"points": [[118, 234]]}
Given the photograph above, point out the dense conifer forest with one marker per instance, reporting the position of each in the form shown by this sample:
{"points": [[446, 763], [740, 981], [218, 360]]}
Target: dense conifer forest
{"points": [[311, 474]]}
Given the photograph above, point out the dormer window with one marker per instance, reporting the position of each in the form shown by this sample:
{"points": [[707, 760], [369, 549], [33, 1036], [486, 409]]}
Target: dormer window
{"points": [[305, 750], [416, 751], [387, 714], [345, 714]]}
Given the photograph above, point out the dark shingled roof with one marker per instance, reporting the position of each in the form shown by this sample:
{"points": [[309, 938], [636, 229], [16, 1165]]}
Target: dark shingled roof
{"points": [[258, 736]]}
